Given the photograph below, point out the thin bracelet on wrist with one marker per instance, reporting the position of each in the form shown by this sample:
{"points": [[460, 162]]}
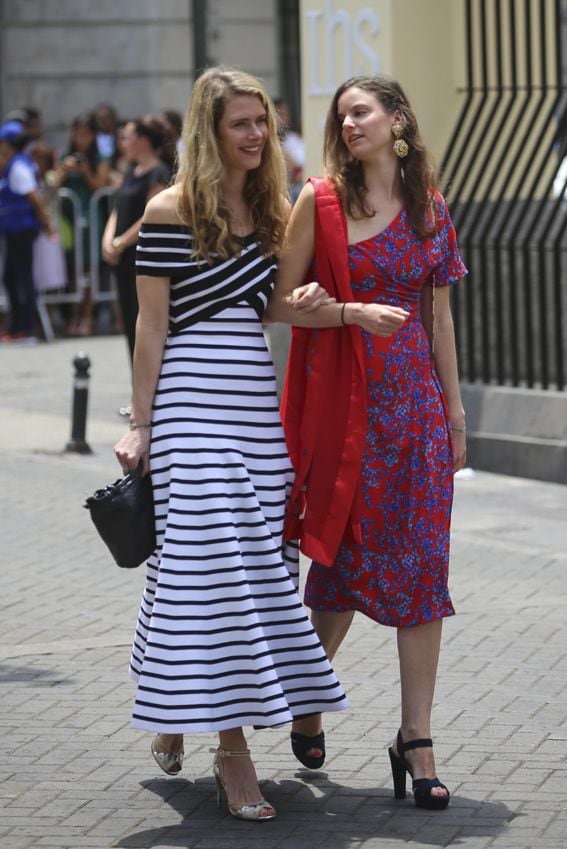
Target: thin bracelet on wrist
{"points": [[135, 426], [343, 322], [462, 429]]}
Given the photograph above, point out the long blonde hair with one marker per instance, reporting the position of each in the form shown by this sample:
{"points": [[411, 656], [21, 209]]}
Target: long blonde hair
{"points": [[419, 180], [200, 203]]}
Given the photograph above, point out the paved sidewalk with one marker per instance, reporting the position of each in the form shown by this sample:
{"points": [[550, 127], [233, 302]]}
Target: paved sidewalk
{"points": [[74, 775]]}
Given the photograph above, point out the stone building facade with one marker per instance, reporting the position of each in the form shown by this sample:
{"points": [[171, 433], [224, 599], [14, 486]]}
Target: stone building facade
{"points": [[64, 56]]}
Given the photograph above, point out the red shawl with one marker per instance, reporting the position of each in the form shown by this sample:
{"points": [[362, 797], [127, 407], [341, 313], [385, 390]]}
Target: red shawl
{"points": [[324, 404]]}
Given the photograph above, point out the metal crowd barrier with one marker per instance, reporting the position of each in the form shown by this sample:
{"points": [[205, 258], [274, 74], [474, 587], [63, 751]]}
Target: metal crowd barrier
{"points": [[79, 278], [82, 274], [98, 294]]}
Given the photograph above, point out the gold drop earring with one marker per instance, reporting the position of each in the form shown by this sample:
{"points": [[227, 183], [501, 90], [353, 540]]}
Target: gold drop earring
{"points": [[401, 148]]}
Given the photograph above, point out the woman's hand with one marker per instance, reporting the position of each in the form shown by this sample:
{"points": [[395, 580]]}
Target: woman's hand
{"points": [[379, 319], [109, 253], [459, 446], [73, 162], [133, 449], [308, 297]]}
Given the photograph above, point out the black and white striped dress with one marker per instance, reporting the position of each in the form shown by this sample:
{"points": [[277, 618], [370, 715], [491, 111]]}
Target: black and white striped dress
{"points": [[222, 639]]}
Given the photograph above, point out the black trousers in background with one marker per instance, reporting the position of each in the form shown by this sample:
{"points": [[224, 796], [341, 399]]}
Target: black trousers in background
{"points": [[19, 282], [127, 295]]}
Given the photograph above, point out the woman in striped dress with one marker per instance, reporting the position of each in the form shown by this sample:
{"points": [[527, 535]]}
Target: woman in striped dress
{"points": [[222, 639]]}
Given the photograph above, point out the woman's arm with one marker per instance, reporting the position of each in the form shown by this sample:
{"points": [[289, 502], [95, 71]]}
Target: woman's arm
{"points": [[296, 257], [438, 324], [109, 254], [40, 210], [151, 334], [99, 177], [113, 246], [308, 296]]}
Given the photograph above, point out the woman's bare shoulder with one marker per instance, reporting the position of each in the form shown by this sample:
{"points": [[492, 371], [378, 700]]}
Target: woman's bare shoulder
{"points": [[162, 208], [304, 208], [307, 194]]}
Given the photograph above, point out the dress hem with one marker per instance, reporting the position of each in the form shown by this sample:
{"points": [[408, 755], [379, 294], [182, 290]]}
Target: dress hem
{"points": [[423, 621], [245, 721]]}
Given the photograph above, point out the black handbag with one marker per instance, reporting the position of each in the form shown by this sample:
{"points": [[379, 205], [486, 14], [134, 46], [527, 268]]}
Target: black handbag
{"points": [[123, 514]]}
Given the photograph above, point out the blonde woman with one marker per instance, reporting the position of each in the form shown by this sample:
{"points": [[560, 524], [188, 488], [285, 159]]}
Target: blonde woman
{"points": [[222, 639]]}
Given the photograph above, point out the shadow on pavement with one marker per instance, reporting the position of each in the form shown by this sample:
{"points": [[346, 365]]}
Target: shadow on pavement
{"points": [[313, 810], [35, 675]]}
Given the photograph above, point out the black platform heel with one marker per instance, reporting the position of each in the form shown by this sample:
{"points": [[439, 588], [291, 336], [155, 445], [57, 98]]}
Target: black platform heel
{"points": [[301, 744], [421, 786]]}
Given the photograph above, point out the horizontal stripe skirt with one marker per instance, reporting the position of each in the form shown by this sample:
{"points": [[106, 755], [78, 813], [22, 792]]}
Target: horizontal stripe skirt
{"points": [[222, 639]]}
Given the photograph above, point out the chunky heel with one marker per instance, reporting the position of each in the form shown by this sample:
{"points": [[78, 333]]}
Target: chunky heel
{"points": [[398, 775], [422, 787]]}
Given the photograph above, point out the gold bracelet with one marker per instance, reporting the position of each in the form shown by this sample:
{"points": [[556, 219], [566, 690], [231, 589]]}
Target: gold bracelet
{"points": [[462, 429], [134, 426]]}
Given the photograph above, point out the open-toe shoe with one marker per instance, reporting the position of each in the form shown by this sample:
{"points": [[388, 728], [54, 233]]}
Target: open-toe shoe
{"points": [[422, 787]]}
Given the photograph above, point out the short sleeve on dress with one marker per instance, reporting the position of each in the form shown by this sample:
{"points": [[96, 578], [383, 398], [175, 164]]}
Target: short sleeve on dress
{"points": [[163, 250], [449, 266], [160, 175]]}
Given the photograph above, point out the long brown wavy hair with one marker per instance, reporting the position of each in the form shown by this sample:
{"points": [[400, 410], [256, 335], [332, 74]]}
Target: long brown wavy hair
{"points": [[419, 178], [201, 205]]}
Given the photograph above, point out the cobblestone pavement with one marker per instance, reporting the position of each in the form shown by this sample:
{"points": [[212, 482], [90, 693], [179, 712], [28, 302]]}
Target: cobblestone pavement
{"points": [[74, 775]]}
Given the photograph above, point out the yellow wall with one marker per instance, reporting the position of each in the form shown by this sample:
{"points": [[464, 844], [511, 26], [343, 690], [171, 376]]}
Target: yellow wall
{"points": [[418, 42], [422, 44]]}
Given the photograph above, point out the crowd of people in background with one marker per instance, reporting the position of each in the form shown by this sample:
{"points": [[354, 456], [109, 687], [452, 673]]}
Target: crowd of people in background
{"points": [[58, 230], [51, 200]]}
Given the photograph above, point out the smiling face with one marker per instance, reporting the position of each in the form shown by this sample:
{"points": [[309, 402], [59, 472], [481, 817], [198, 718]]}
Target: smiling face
{"points": [[242, 132], [366, 127]]}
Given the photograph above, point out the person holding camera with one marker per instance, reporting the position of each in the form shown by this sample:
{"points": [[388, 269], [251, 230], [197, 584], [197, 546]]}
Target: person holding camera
{"points": [[82, 170]]}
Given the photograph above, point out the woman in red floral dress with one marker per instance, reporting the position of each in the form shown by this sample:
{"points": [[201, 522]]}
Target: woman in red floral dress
{"points": [[372, 407]]}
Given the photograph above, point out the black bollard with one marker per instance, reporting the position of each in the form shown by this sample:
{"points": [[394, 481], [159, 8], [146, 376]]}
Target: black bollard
{"points": [[78, 443]]}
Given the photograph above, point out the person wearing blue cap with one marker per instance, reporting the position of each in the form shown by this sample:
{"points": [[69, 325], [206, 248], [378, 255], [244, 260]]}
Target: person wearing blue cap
{"points": [[22, 215]]}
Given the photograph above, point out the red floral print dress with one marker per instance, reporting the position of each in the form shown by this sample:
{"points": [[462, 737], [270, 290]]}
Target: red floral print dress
{"points": [[398, 574]]}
